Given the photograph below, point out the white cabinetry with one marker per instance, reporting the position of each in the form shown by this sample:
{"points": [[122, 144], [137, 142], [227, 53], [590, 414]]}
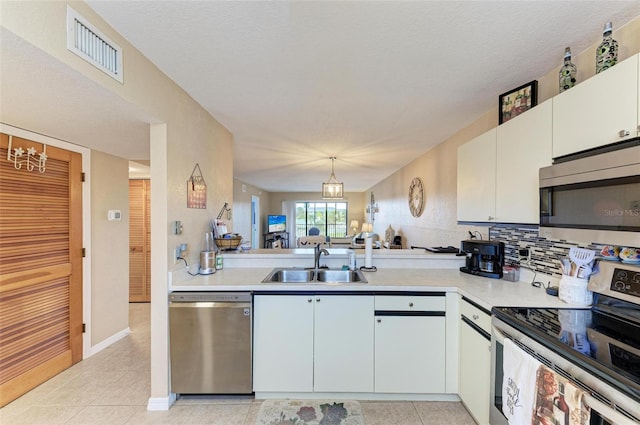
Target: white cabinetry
{"points": [[305, 343], [523, 146], [410, 344], [475, 361], [498, 171], [477, 178], [594, 112]]}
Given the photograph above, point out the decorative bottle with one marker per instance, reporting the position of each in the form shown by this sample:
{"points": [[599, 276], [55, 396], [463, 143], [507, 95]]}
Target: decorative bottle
{"points": [[567, 72], [607, 51]]}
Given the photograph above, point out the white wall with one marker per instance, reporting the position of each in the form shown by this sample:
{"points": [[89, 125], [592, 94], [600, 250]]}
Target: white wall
{"points": [[109, 247], [438, 167]]}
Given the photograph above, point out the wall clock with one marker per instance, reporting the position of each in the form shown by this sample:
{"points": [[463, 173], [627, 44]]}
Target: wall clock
{"points": [[416, 197]]}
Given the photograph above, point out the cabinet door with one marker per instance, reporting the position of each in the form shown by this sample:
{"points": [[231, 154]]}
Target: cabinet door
{"points": [[410, 354], [593, 112], [523, 146], [475, 365], [343, 357], [477, 178], [283, 343]]}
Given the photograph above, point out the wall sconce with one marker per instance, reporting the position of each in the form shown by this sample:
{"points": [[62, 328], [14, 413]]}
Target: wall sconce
{"points": [[372, 208], [17, 156], [354, 226], [332, 189]]}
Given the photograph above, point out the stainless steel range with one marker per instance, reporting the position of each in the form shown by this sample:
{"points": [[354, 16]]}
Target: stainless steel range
{"points": [[597, 350]]}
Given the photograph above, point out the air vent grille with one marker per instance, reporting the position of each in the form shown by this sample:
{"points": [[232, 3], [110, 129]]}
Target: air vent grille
{"points": [[86, 41]]}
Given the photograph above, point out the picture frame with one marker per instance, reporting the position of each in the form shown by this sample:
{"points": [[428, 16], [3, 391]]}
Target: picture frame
{"points": [[516, 101]]}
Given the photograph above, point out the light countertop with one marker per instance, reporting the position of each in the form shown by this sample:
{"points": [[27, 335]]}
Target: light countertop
{"points": [[485, 292]]}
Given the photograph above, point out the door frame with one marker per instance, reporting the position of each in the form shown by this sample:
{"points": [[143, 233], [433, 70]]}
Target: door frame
{"points": [[86, 220], [255, 222]]}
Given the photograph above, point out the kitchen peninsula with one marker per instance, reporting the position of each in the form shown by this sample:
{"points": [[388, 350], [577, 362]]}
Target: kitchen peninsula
{"points": [[396, 337]]}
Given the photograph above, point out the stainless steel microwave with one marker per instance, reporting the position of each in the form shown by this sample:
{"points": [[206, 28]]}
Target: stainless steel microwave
{"points": [[594, 198]]}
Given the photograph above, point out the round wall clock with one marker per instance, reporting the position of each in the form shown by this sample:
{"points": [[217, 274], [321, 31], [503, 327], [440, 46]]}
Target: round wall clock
{"points": [[416, 197]]}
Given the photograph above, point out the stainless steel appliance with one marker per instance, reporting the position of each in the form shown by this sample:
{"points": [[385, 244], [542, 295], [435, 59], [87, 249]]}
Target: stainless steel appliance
{"points": [[594, 198], [483, 258], [602, 357], [210, 342]]}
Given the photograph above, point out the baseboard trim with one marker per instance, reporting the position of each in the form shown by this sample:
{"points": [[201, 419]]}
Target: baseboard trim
{"points": [[357, 396], [161, 403], [109, 341]]}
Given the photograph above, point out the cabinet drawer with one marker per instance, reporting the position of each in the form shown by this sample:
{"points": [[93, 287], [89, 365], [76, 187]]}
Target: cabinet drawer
{"points": [[477, 316], [410, 303]]}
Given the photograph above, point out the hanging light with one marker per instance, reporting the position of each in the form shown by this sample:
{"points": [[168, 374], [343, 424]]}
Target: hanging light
{"points": [[372, 208], [332, 189]]}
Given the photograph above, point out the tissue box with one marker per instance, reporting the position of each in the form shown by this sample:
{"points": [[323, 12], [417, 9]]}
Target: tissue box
{"points": [[511, 273]]}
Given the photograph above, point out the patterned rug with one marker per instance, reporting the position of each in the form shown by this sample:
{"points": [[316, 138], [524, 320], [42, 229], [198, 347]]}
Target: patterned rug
{"points": [[310, 412]]}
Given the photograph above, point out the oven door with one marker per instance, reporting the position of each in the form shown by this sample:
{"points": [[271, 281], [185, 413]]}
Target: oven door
{"points": [[624, 409]]}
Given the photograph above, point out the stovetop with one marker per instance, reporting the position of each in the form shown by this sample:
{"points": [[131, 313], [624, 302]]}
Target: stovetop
{"points": [[601, 343]]}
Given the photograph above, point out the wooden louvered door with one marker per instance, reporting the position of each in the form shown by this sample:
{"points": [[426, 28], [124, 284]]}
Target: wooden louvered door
{"points": [[40, 268], [140, 240]]}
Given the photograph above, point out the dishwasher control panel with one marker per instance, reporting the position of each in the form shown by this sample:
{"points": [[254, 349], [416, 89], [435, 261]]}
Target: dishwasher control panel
{"points": [[188, 297]]}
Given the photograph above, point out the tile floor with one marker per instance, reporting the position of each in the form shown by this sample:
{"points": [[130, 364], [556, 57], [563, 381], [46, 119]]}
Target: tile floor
{"points": [[112, 388]]}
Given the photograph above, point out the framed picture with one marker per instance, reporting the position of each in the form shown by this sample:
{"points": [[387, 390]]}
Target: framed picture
{"points": [[516, 101]]}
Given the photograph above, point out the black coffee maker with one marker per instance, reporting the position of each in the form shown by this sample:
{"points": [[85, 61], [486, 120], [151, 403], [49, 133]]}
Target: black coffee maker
{"points": [[483, 258]]}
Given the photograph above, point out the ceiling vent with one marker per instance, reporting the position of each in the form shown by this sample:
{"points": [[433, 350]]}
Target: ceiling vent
{"points": [[90, 44]]}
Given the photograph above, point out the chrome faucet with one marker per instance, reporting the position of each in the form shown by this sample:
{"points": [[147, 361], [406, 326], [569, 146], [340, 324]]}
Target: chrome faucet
{"points": [[318, 252]]}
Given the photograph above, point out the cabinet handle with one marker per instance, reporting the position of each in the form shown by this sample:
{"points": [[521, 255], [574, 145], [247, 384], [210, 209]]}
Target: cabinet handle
{"points": [[623, 133], [309, 300], [491, 218], [410, 304], [476, 317], [379, 320], [317, 300]]}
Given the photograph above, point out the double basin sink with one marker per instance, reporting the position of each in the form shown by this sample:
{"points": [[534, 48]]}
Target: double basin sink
{"points": [[315, 276]]}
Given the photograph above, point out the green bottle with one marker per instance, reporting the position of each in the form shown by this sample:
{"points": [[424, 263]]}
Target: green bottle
{"points": [[567, 72], [607, 51]]}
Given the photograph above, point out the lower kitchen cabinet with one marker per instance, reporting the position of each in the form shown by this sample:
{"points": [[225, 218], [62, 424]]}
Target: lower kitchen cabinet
{"points": [[475, 361], [305, 343], [410, 344]]}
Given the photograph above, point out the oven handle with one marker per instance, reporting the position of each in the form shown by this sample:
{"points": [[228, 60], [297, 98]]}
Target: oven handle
{"points": [[604, 410]]}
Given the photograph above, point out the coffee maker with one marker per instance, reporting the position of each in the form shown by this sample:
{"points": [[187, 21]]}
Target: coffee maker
{"points": [[483, 258]]}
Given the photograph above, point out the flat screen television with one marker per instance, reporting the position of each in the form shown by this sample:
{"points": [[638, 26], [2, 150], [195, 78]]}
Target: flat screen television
{"points": [[277, 223]]}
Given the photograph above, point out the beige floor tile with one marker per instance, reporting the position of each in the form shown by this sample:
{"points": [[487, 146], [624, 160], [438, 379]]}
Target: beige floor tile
{"points": [[44, 415], [177, 415], [218, 414], [387, 413], [443, 413], [104, 415], [252, 415]]}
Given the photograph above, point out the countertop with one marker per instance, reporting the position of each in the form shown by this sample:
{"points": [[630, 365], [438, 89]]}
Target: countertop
{"points": [[483, 291]]}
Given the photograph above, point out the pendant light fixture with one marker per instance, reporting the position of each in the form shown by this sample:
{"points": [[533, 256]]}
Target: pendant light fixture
{"points": [[332, 189]]}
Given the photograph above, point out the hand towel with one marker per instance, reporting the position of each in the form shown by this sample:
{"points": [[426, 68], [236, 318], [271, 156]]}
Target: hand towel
{"points": [[518, 384], [558, 401]]}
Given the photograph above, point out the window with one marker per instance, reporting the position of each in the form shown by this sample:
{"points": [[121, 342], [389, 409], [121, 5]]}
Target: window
{"points": [[329, 217]]}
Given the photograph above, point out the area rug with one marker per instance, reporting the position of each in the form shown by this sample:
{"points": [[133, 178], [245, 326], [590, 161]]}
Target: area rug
{"points": [[310, 412]]}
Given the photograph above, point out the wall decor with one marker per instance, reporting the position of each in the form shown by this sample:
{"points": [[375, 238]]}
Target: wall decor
{"points": [[416, 197], [516, 101], [196, 189]]}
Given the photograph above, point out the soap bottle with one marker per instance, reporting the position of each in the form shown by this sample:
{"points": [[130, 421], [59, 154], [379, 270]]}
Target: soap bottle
{"points": [[607, 51], [352, 260], [567, 72]]}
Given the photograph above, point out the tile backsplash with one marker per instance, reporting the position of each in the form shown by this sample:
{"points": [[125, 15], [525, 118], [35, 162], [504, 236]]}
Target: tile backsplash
{"points": [[545, 253]]}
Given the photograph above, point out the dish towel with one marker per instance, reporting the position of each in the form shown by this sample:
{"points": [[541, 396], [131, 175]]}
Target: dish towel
{"points": [[518, 384], [558, 401]]}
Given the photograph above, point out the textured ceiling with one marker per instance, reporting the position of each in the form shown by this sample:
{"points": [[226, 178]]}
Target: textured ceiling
{"points": [[373, 83]]}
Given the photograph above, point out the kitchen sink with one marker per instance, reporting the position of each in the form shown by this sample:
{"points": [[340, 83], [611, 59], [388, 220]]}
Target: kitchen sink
{"points": [[340, 276], [294, 275], [290, 276]]}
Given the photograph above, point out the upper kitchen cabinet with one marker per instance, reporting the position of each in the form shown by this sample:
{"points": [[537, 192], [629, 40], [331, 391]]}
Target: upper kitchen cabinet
{"points": [[523, 146], [601, 110], [477, 178]]}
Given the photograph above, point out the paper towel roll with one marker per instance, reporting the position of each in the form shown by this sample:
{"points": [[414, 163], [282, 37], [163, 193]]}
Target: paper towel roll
{"points": [[368, 252]]}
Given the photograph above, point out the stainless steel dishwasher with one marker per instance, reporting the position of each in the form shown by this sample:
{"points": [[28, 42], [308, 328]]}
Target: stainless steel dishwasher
{"points": [[210, 342]]}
